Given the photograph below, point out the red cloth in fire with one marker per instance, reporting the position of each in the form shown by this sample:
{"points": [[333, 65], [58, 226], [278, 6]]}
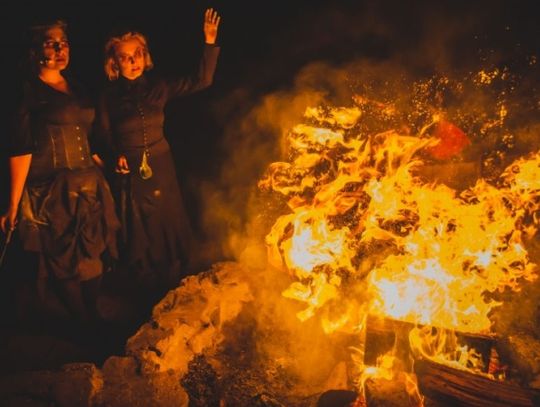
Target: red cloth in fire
{"points": [[452, 141]]}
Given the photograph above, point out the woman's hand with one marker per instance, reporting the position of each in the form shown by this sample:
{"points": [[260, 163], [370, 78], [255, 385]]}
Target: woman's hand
{"points": [[210, 28], [122, 165], [8, 220]]}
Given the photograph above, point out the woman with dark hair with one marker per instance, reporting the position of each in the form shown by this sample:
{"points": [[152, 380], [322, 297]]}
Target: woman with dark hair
{"points": [[59, 200], [156, 231]]}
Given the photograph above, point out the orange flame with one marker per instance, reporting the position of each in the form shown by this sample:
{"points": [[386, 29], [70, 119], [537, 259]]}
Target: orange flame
{"points": [[366, 235], [388, 369]]}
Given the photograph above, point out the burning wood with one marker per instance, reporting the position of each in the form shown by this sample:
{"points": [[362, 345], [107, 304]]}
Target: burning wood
{"points": [[449, 384], [461, 388], [388, 335]]}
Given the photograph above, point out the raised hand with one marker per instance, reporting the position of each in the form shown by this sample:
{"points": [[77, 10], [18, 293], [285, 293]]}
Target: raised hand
{"points": [[211, 23]]}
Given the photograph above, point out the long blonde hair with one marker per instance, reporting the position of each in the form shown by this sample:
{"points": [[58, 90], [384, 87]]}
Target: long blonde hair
{"points": [[111, 66]]}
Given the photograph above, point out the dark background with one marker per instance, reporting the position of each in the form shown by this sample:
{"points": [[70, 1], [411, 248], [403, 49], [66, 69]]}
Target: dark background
{"points": [[264, 46]]}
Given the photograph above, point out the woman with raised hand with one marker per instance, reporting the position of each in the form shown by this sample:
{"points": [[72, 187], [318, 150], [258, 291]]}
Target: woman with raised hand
{"points": [[156, 232]]}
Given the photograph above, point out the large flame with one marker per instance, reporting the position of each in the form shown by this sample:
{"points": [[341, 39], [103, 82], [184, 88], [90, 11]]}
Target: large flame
{"points": [[366, 235]]}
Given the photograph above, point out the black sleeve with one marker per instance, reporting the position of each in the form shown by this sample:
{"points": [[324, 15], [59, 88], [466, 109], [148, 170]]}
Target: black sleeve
{"points": [[202, 79]]}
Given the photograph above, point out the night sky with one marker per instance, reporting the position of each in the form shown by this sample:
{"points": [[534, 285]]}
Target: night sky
{"points": [[264, 47]]}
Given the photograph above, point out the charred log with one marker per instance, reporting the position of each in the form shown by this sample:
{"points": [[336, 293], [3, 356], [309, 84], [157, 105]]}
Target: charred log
{"points": [[462, 388]]}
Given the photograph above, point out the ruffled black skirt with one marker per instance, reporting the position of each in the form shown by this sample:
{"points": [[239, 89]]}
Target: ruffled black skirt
{"points": [[70, 219]]}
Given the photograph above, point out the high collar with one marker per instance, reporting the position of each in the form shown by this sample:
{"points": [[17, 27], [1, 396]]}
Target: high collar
{"points": [[133, 84]]}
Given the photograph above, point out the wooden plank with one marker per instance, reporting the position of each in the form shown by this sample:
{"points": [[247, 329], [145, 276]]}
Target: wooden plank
{"points": [[462, 388], [385, 334]]}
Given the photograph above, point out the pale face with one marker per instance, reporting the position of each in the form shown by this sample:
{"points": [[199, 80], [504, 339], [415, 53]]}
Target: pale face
{"points": [[55, 49], [130, 58]]}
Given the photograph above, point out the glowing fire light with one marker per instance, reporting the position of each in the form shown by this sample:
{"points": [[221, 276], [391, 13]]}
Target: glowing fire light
{"points": [[368, 234]]}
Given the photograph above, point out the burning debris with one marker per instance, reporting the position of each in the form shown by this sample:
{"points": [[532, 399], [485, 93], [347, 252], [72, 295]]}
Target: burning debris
{"points": [[366, 234]]}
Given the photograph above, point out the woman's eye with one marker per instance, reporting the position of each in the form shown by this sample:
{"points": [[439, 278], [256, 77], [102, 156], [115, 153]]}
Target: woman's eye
{"points": [[56, 44]]}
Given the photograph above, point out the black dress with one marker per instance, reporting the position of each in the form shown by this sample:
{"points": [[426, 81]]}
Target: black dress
{"points": [[156, 232], [67, 210]]}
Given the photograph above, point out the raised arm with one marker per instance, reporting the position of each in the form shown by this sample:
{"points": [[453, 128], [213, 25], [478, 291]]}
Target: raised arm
{"points": [[208, 62]]}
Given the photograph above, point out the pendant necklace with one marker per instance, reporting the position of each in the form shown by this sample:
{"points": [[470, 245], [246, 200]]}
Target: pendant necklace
{"points": [[144, 170]]}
